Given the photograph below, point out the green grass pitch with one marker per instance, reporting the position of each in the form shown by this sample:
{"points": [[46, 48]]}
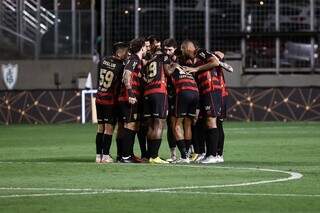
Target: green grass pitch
{"points": [[50, 168]]}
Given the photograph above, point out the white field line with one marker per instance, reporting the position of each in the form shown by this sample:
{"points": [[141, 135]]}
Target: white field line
{"points": [[167, 192], [91, 191]]}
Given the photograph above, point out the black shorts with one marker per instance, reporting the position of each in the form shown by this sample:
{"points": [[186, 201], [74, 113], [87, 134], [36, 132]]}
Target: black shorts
{"points": [[210, 104], [186, 104], [155, 106], [106, 114], [128, 112]]}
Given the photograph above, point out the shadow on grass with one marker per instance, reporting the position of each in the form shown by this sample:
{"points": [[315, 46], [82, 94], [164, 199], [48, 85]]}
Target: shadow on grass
{"points": [[53, 160], [233, 163]]}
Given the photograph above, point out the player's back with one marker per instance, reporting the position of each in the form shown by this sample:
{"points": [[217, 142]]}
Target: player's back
{"points": [[110, 74], [154, 74]]}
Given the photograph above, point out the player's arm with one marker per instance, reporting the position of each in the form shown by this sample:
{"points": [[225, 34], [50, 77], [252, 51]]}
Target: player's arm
{"points": [[130, 66], [212, 61], [127, 83], [170, 68], [219, 54]]}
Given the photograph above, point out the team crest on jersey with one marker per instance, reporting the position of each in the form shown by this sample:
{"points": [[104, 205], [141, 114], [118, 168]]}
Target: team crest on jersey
{"points": [[10, 75], [134, 65]]}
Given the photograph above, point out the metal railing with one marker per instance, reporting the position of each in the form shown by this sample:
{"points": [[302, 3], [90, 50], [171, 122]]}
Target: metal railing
{"points": [[268, 36]]}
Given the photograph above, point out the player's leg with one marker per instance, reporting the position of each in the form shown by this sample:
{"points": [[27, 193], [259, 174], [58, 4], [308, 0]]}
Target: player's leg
{"points": [[109, 121], [212, 134], [107, 139], [118, 140], [159, 111], [144, 128], [187, 129], [130, 125], [199, 136], [180, 113], [142, 138], [171, 139], [192, 99], [155, 138], [170, 136], [221, 140], [99, 133], [127, 141], [179, 136]]}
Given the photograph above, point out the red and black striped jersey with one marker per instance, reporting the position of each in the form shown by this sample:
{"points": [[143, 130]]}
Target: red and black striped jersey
{"points": [[154, 74], [207, 80], [183, 81], [110, 74], [224, 90], [134, 65]]}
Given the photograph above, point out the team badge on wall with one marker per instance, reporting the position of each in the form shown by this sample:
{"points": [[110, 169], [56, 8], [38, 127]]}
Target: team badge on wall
{"points": [[10, 75]]}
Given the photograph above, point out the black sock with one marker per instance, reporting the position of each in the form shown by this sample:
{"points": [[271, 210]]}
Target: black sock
{"points": [[182, 148], [119, 144], [153, 147], [221, 137], [99, 139], [106, 144], [188, 144], [200, 136], [132, 137], [212, 141], [127, 142], [142, 137]]}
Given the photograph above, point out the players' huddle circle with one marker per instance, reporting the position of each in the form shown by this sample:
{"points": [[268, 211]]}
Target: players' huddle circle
{"points": [[147, 83]]}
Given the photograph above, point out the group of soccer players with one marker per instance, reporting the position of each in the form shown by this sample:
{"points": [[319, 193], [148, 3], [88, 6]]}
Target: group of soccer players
{"points": [[148, 83]]}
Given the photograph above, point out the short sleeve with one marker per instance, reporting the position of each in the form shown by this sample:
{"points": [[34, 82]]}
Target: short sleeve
{"points": [[204, 54], [131, 64]]}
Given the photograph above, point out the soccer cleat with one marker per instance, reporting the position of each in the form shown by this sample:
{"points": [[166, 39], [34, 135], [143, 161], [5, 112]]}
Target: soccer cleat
{"points": [[145, 160], [172, 159], [136, 159], [106, 159], [157, 160], [193, 157], [98, 158], [209, 160], [226, 66], [127, 160], [182, 160], [200, 158], [220, 158]]}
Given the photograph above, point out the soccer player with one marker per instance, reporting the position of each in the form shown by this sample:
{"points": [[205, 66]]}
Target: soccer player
{"points": [[129, 98], [170, 48], [110, 73], [223, 115], [155, 101], [155, 43], [143, 127], [186, 100], [187, 97], [204, 64]]}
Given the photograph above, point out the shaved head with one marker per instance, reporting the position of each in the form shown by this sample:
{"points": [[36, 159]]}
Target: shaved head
{"points": [[188, 48]]}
